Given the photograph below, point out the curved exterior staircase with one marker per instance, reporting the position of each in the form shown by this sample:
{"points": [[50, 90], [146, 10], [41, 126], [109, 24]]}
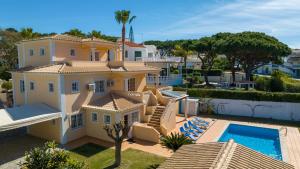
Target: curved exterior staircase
{"points": [[155, 118]]}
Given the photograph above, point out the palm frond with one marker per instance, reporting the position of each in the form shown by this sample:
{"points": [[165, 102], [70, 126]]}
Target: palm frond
{"points": [[131, 19], [175, 141]]}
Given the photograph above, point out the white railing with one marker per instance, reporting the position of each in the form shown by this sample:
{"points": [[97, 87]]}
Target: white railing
{"points": [[158, 59], [173, 79]]}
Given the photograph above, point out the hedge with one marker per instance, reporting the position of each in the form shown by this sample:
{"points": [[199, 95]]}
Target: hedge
{"points": [[244, 95], [213, 72]]}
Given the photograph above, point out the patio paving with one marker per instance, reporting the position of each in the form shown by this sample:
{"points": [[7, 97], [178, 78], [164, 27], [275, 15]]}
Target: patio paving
{"points": [[13, 149], [290, 142]]}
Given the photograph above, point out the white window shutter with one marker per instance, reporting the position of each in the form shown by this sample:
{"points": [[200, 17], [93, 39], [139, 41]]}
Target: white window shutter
{"points": [[126, 84]]}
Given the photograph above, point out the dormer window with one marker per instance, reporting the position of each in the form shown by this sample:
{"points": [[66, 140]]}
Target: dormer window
{"points": [[31, 52], [72, 52]]}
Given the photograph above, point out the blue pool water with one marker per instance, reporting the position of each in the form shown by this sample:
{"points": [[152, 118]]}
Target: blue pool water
{"points": [[263, 140]]}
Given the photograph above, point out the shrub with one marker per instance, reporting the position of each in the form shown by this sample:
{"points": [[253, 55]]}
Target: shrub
{"points": [[7, 85], [292, 87], [175, 141], [49, 157], [262, 83], [276, 82], [245, 95], [176, 72]]}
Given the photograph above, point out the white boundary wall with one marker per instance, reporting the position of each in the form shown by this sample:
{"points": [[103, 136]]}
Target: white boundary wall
{"points": [[262, 109]]}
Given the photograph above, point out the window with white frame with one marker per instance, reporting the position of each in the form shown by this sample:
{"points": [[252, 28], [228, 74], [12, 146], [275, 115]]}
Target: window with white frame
{"points": [[31, 85], [79, 120], [42, 51], [22, 86], [75, 86], [131, 84], [106, 119], [100, 86], [51, 87], [72, 52], [76, 121], [31, 52], [150, 55], [94, 117]]}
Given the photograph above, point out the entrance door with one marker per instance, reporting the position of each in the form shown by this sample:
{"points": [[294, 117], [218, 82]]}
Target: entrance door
{"points": [[126, 120], [97, 58]]}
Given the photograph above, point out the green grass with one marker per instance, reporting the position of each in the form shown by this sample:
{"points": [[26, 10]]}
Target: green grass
{"points": [[97, 157]]}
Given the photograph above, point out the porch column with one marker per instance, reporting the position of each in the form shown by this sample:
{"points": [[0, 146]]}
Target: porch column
{"points": [[93, 50], [186, 109], [168, 69], [157, 80]]}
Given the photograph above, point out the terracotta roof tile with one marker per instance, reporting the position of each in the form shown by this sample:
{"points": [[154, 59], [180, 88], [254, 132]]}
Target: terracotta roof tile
{"points": [[221, 155], [132, 44], [65, 68], [69, 38], [114, 101]]}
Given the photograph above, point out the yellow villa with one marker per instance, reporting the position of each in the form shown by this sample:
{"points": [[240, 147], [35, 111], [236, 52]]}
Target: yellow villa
{"points": [[68, 87]]}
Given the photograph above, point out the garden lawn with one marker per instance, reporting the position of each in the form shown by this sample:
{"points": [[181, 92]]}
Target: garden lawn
{"points": [[97, 157]]}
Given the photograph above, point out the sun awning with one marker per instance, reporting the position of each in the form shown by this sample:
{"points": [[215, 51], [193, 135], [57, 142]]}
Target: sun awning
{"points": [[12, 118]]}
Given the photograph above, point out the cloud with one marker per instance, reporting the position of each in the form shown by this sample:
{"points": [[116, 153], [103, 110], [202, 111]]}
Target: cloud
{"points": [[279, 18]]}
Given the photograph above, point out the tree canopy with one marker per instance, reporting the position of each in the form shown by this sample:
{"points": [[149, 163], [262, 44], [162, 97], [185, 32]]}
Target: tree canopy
{"points": [[251, 49], [248, 49]]}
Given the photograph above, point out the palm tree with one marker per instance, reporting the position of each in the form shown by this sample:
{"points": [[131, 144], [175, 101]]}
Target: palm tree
{"points": [[27, 33], [131, 36], [123, 17], [94, 33], [182, 51], [75, 32]]}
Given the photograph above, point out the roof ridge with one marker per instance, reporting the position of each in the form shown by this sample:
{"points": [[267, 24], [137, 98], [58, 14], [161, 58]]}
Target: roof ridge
{"points": [[61, 68], [114, 101], [226, 154], [43, 66]]}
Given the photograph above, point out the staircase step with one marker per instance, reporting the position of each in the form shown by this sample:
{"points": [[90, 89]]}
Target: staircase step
{"points": [[155, 118], [155, 123]]}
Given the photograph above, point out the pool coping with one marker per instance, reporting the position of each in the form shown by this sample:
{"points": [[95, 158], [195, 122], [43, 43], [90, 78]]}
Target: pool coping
{"points": [[282, 139]]}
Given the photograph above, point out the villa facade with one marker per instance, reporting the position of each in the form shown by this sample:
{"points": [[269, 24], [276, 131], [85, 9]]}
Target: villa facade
{"points": [[87, 85]]}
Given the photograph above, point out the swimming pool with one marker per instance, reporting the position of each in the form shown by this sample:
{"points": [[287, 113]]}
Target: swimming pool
{"points": [[263, 140]]}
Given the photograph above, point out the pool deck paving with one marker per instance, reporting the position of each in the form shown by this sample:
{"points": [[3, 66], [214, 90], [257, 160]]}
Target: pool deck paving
{"points": [[289, 138]]}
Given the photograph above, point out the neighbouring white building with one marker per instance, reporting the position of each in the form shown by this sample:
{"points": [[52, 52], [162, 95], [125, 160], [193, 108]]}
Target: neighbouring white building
{"points": [[290, 66]]}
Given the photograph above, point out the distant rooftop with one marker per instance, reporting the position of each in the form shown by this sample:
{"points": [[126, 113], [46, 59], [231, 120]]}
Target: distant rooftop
{"points": [[69, 38]]}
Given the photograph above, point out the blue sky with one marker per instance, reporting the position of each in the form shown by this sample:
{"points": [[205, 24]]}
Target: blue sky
{"points": [[158, 19]]}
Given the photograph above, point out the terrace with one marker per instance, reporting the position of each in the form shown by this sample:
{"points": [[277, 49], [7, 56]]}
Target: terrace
{"points": [[156, 153]]}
